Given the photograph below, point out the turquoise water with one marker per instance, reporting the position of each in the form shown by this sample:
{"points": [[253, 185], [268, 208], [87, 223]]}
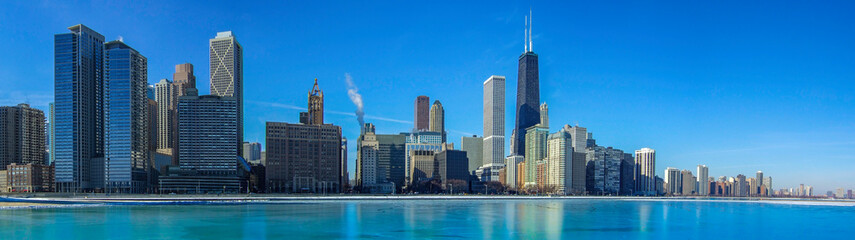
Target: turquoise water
{"points": [[437, 219]]}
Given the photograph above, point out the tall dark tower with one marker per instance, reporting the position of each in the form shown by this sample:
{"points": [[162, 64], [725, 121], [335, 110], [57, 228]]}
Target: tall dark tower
{"points": [[528, 93]]}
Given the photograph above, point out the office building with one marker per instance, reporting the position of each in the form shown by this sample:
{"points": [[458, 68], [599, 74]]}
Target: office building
{"points": [[452, 165], [419, 140], [535, 152], [421, 114], [207, 126], [423, 166], [252, 151], [474, 148], [380, 161], [756, 190], [703, 181], [226, 56], [437, 119], [528, 97], [304, 158], [126, 128], [559, 161], [494, 125], [767, 183], [673, 181], [29, 177], [645, 167], [22, 135], [78, 75], [183, 79]]}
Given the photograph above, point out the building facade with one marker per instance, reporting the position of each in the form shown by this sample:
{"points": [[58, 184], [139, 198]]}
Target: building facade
{"points": [[437, 119], [421, 111], [703, 180], [474, 148], [645, 176], [252, 151], [166, 97], [207, 130], [673, 181], [226, 59], [559, 162], [28, 177], [494, 124], [535, 151], [304, 158], [22, 135], [78, 86]]}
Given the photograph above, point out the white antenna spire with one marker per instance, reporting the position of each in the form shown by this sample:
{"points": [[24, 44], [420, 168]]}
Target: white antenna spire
{"points": [[530, 49], [525, 34]]}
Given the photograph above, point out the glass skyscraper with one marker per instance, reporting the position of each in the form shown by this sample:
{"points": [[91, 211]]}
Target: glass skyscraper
{"points": [[126, 111], [78, 75]]}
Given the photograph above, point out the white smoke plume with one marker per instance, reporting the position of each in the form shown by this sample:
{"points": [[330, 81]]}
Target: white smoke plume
{"points": [[356, 98]]}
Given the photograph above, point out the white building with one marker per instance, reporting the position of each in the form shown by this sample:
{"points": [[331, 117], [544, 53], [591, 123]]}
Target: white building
{"points": [[645, 171], [703, 180], [494, 125]]}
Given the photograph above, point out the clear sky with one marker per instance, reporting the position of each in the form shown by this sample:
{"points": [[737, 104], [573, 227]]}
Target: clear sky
{"points": [[737, 86]]}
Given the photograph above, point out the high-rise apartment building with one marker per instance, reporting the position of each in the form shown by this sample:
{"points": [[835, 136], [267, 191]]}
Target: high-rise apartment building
{"points": [[603, 170], [579, 138], [645, 167], [437, 119], [126, 121], [474, 148], [22, 135], [703, 181], [535, 151], [494, 125], [513, 171], [673, 181], [559, 162], [421, 114], [226, 59], [756, 190], [164, 92], [78, 75], [689, 183]]}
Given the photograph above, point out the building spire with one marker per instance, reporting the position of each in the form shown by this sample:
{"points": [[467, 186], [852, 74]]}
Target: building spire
{"points": [[525, 34], [530, 49]]}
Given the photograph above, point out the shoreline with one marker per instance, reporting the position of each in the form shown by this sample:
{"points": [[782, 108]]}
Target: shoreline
{"points": [[30, 202]]}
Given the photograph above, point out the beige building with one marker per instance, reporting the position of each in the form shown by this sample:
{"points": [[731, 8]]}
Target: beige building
{"points": [[423, 166]]}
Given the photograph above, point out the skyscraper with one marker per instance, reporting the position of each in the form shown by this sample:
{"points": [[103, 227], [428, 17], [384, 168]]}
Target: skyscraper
{"points": [[535, 152], [22, 135], [494, 124], [78, 75], [126, 128], [421, 113], [183, 79], [252, 151], [689, 182], [316, 105], [645, 167], [226, 62], [603, 170], [474, 148], [579, 138], [756, 191], [703, 180], [559, 162], [528, 95], [165, 97], [544, 115], [673, 181], [437, 118], [207, 129]]}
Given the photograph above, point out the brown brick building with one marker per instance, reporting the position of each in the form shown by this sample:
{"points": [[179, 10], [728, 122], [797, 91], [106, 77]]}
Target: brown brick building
{"points": [[29, 178]]}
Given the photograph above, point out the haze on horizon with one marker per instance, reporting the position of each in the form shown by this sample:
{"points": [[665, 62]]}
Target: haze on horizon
{"points": [[739, 87]]}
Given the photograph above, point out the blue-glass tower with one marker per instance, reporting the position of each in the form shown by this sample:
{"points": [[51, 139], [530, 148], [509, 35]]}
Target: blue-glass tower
{"points": [[78, 76], [126, 128]]}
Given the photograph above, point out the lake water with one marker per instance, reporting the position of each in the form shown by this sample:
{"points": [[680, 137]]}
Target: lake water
{"points": [[438, 219]]}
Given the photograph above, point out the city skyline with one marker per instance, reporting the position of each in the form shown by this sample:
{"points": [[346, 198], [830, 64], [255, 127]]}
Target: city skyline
{"points": [[679, 145]]}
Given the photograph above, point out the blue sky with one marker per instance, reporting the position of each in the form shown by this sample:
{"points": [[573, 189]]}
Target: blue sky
{"points": [[737, 86]]}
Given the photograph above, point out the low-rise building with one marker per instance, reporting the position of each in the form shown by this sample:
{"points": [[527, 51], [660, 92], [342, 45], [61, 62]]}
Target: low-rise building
{"points": [[29, 178]]}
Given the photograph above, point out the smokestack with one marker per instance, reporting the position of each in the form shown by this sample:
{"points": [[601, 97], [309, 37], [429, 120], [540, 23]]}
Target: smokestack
{"points": [[356, 98]]}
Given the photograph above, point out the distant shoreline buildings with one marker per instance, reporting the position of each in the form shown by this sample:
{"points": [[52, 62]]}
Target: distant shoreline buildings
{"points": [[108, 131]]}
